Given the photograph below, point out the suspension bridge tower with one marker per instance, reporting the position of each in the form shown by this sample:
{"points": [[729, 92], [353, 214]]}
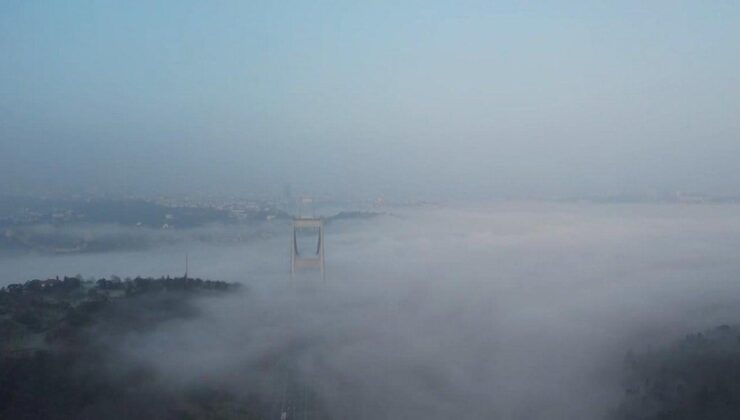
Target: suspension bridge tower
{"points": [[313, 258]]}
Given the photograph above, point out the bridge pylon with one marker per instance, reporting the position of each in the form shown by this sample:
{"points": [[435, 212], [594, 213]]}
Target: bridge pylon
{"points": [[313, 259]]}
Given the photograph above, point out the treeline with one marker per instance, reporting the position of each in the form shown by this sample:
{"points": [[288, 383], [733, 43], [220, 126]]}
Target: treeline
{"points": [[58, 350], [148, 284], [130, 286], [697, 377], [353, 215], [41, 305]]}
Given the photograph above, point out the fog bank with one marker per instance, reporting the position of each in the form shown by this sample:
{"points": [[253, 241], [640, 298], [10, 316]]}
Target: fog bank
{"points": [[519, 310]]}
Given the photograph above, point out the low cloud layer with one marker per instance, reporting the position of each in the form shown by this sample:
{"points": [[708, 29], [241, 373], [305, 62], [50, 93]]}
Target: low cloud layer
{"points": [[509, 311]]}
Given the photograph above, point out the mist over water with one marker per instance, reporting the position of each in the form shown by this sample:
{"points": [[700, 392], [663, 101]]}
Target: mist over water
{"points": [[512, 310], [586, 152]]}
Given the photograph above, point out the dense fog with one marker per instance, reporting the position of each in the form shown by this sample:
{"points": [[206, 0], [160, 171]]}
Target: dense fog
{"points": [[518, 310], [521, 200]]}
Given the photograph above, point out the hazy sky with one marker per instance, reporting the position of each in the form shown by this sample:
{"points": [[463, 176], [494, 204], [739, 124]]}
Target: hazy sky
{"points": [[464, 99]]}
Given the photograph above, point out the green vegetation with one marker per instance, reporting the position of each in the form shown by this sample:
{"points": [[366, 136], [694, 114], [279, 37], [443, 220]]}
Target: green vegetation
{"points": [[57, 340], [696, 378], [353, 215]]}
